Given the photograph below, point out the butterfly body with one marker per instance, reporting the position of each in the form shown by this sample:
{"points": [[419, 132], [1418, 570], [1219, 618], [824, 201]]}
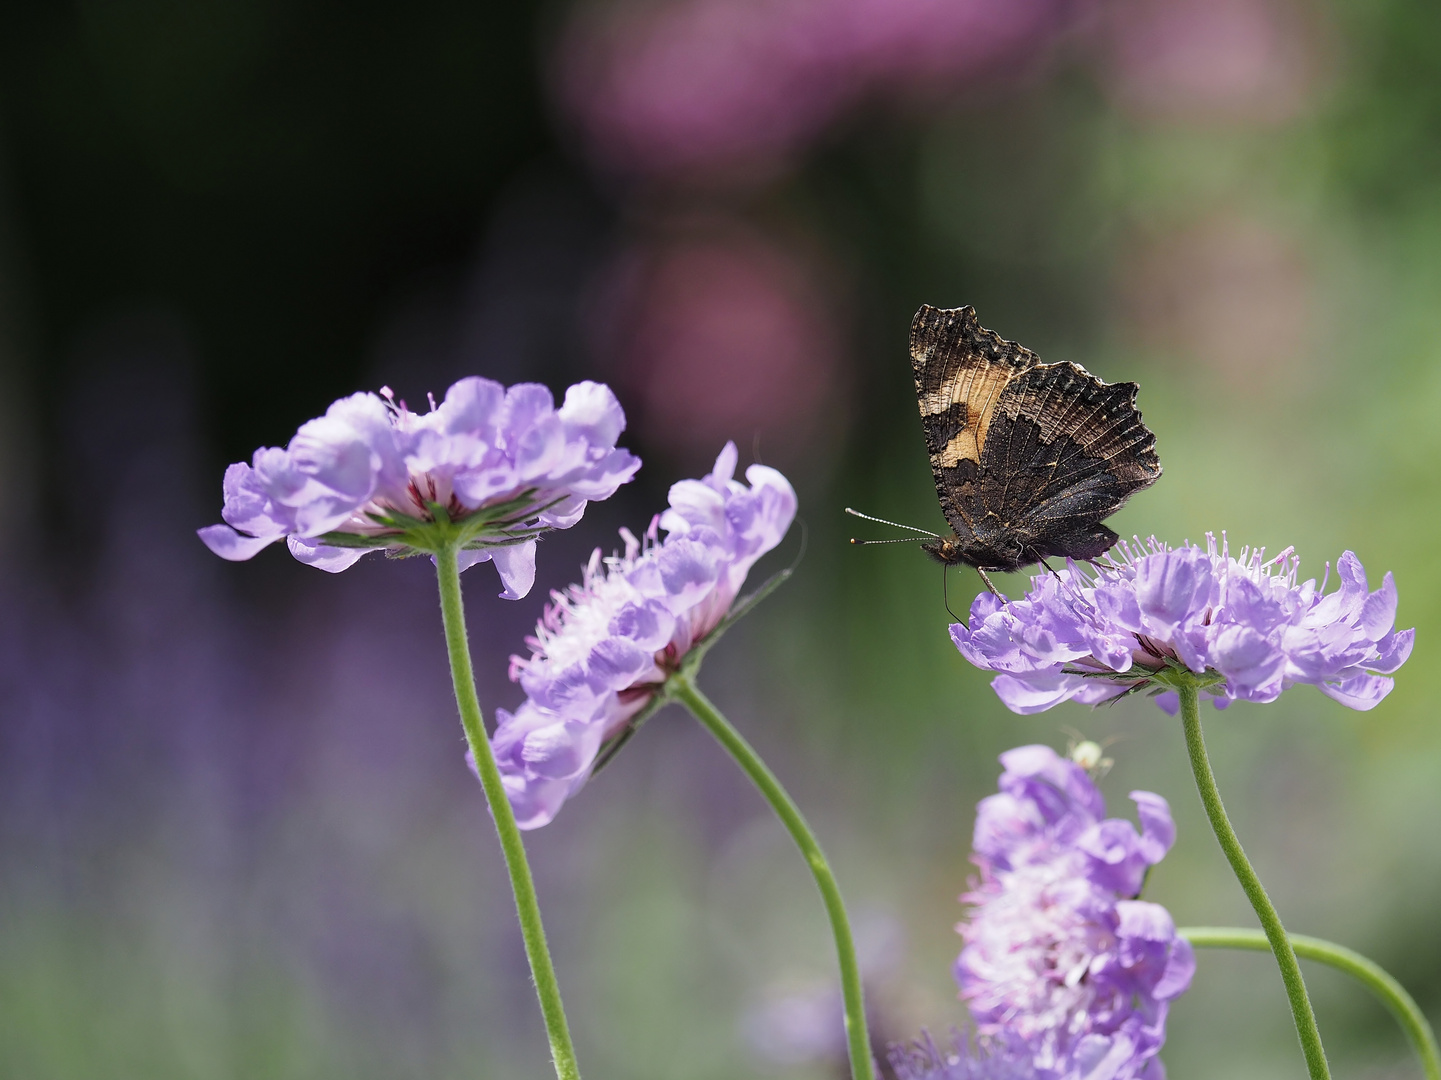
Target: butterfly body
{"points": [[1028, 458]]}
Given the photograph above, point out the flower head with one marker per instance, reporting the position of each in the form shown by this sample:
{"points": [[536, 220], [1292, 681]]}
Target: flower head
{"points": [[604, 647], [1060, 957], [499, 465], [1244, 623]]}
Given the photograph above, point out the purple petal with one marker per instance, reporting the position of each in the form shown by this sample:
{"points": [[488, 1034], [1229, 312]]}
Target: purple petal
{"points": [[1378, 613], [1117, 606], [1172, 587], [1246, 603], [229, 544], [600, 479], [650, 625], [694, 504], [473, 406], [1117, 861], [1392, 651], [1158, 829], [1057, 785], [592, 412], [688, 570], [1180, 967], [616, 663], [1247, 658], [1030, 694], [249, 506], [534, 801], [516, 565], [514, 562], [560, 751], [725, 464], [542, 449], [525, 405], [322, 556], [1360, 692]]}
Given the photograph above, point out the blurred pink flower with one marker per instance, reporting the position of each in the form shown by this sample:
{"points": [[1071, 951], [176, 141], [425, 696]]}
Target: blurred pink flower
{"points": [[1237, 61], [725, 335], [718, 84]]}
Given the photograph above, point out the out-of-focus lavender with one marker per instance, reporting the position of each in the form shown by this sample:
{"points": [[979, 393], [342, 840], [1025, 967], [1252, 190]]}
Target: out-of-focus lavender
{"points": [[702, 86]]}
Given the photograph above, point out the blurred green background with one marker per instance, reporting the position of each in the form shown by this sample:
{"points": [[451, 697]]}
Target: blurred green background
{"points": [[237, 835]]}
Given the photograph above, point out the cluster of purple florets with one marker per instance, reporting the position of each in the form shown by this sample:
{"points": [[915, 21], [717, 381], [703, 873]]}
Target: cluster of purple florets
{"points": [[605, 647], [359, 474], [1060, 957], [1089, 635]]}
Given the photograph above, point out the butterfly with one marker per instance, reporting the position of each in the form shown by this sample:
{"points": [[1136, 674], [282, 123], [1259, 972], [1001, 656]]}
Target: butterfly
{"points": [[1028, 458]]}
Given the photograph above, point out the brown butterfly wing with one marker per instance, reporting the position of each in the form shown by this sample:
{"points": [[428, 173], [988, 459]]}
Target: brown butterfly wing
{"points": [[961, 371], [1064, 450]]}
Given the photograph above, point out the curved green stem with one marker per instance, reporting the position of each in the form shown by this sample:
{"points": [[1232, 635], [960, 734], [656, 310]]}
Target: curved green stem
{"points": [[1301, 1010], [452, 611], [1367, 972], [857, 1036]]}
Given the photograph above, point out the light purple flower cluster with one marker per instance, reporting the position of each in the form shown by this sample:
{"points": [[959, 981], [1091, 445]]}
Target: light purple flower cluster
{"points": [[604, 647], [1093, 635], [1059, 956], [357, 478]]}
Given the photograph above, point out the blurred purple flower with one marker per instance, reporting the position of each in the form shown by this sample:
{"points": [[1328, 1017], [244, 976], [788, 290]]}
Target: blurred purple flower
{"points": [[1093, 635], [360, 477], [1059, 955], [719, 327], [605, 646], [1203, 62], [986, 1059], [701, 85]]}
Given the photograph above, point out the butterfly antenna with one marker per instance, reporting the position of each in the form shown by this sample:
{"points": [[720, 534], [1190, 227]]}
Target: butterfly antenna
{"points": [[893, 524], [898, 540], [994, 591]]}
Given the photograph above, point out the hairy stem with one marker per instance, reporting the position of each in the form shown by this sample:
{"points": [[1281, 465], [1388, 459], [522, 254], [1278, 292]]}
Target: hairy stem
{"points": [[857, 1035], [1280, 944], [452, 611], [1367, 972]]}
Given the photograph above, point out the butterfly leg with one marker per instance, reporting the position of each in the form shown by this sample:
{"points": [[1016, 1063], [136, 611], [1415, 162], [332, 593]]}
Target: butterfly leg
{"points": [[994, 591], [945, 599]]}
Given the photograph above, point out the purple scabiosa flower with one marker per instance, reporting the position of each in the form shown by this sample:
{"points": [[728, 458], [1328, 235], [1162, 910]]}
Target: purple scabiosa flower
{"points": [[501, 465], [1244, 624], [1059, 956], [604, 647]]}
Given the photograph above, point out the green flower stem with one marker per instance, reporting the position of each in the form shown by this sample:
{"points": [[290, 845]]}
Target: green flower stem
{"points": [[1285, 955], [857, 1036], [1367, 972], [452, 610]]}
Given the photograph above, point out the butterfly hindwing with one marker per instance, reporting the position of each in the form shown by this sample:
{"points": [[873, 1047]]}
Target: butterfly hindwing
{"points": [[1064, 451]]}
